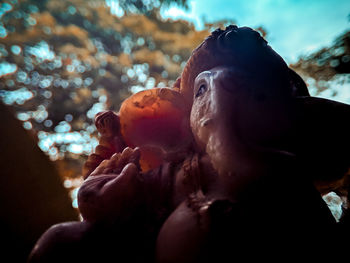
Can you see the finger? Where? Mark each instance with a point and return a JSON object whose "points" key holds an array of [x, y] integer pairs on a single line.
{"points": [[124, 158], [112, 163], [99, 115], [107, 123], [128, 156], [135, 157], [100, 168], [126, 183], [115, 157], [128, 173], [91, 164]]}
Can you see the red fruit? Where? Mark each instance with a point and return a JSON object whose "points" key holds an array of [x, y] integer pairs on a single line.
{"points": [[157, 121]]}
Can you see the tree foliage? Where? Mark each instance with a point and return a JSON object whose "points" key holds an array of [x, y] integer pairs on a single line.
{"points": [[327, 71], [64, 61], [61, 62]]}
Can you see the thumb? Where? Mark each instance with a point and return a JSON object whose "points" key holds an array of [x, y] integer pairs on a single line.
{"points": [[126, 182]]}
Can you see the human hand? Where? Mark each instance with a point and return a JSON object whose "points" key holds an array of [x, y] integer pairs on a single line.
{"points": [[113, 190]]}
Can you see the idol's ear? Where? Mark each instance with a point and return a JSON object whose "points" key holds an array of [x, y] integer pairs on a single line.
{"points": [[323, 132], [298, 85]]}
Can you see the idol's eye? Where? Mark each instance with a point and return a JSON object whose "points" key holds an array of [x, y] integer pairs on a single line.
{"points": [[201, 90]]}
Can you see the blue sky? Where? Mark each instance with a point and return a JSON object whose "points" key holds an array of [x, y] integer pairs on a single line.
{"points": [[294, 27]]}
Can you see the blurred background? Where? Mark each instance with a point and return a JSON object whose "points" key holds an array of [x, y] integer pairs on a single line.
{"points": [[61, 62]]}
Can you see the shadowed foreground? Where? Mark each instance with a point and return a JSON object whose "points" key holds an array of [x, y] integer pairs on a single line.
{"points": [[32, 197]]}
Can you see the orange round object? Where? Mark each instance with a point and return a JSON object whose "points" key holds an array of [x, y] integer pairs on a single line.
{"points": [[156, 120]]}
